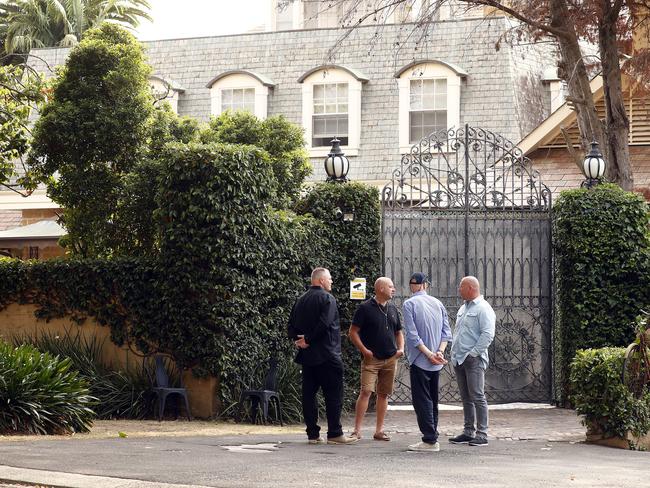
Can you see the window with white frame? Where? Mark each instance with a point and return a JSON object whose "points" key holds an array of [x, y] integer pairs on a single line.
{"points": [[240, 90], [331, 107], [236, 99], [429, 99], [330, 118], [428, 110]]}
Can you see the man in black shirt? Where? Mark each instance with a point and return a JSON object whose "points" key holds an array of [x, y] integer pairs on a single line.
{"points": [[315, 330], [376, 331]]}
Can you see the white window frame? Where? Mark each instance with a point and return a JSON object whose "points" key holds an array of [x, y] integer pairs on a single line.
{"points": [[427, 71], [326, 76], [240, 81]]}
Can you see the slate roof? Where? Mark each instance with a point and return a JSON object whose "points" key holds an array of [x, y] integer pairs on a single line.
{"points": [[10, 219], [502, 90]]}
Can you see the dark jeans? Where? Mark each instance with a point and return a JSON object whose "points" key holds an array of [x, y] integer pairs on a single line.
{"points": [[328, 377], [424, 392], [471, 383]]}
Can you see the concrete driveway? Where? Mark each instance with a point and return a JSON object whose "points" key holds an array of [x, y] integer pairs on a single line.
{"points": [[529, 448]]}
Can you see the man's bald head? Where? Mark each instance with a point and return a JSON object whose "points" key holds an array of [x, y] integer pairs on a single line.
{"points": [[384, 289], [469, 288]]}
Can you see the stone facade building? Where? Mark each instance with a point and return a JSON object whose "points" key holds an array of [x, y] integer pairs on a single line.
{"points": [[377, 88]]}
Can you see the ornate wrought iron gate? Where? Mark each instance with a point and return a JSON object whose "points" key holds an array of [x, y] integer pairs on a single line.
{"points": [[467, 202]]}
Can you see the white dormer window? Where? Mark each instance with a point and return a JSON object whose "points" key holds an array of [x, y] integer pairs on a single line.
{"points": [[240, 90], [164, 90], [429, 100], [331, 107]]}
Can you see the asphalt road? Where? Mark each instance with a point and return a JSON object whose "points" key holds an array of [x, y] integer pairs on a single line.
{"points": [[287, 461]]}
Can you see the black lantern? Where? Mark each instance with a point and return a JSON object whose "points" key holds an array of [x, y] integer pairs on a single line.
{"points": [[593, 166], [336, 164]]}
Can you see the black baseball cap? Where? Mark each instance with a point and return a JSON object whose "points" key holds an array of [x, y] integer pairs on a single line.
{"points": [[418, 279]]}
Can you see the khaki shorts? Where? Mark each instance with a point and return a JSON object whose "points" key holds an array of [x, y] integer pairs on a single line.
{"points": [[378, 375]]}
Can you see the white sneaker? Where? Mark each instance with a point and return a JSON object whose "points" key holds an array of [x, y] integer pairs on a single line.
{"points": [[318, 440], [425, 447]]}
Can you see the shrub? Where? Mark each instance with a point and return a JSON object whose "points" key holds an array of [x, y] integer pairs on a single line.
{"points": [[599, 395], [120, 394], [602, 270], [41, 393]]}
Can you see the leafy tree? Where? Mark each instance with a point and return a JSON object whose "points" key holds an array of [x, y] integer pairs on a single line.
{"points": [[282, 141], [93, 132], [20, 91], [610, 24], [136, 202], [27, 24]]}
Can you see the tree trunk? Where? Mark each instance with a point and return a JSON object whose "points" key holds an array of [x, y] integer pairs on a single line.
{"points": [[619, 169], [577, 78]]}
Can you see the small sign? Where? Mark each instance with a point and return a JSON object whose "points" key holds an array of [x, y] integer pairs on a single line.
{"points": [[358, 289]]}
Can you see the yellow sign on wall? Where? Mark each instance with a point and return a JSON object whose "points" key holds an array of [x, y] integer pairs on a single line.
{"points": [[358, 289]]}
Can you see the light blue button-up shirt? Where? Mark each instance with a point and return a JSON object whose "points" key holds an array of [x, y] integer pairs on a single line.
{"points": [[425, 322], [474, 331]]}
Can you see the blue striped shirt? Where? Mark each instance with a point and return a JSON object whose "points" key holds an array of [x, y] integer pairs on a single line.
{"points": [[425, 322]]}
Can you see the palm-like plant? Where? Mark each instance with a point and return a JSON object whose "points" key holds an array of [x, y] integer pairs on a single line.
{"points": [[28, 24]]}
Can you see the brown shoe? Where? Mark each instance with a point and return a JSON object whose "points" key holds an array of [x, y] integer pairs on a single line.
{"points": [[342, 440], [356, 435]]}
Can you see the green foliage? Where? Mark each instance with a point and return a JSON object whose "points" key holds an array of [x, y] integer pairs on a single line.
{"points": [[281, 140], [41, 394], [120, 394], [20, 91], [92, 132], [133, 218], [607, 405], [236, 263], [602, 270], [218, 293], [353, 250], [28, 24]]}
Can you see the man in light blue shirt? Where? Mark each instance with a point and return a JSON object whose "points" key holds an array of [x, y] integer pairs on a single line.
{"points": [[427, 332], [473, 335]]}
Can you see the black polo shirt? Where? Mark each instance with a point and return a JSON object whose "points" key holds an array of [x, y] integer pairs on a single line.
{"points": [[378, 326]]}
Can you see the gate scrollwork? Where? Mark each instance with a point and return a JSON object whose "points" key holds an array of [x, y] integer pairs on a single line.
{"points": [[468, 202]]}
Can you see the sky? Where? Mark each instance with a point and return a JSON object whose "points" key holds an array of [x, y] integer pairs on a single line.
{"points": [[197, 18]]}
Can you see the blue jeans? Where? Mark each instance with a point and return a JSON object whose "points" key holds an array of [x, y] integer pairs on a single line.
{"points": [[424, 393], [471, 383]]}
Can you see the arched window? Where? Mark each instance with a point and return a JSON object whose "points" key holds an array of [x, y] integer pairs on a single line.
{"points": [[240, 90], [429, 99], [331, 107]]}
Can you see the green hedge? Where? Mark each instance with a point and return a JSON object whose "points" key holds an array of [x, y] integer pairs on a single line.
{"points": [[217, 297], [602, 271], [599, 395], [353, 250]]}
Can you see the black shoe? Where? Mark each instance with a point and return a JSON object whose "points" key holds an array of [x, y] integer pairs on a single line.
{"points": [[461, 439], [478, 441]]}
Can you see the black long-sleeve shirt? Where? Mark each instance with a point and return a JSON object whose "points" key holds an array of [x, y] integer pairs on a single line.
{"points": [[316, 316]]}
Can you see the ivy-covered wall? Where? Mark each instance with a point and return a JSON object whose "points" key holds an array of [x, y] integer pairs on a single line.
{"points": [[218, 295], [602, 271]]}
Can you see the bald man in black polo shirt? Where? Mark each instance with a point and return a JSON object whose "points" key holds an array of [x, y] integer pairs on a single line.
{"points": [[376, 331]]}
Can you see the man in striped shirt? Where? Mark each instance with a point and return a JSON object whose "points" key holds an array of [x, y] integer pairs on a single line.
{"points": [[427, 332]]}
